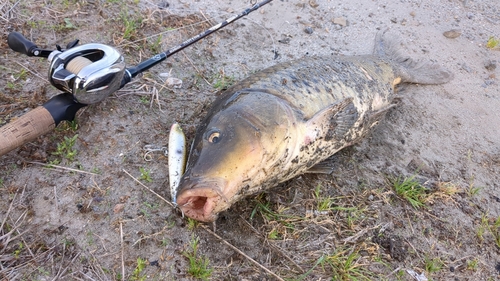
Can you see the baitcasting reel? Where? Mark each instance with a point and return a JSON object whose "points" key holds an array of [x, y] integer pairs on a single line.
{"points": [[91, 72]]}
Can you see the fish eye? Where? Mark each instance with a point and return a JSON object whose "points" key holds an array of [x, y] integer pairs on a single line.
{"points": [[213, 136]]}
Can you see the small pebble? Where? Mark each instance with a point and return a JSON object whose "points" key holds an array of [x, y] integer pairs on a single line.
{"points": [[175, 83], [285, 40], [340, 21], [308, 30], [490, 65], [454, 33], [118, 208], [313, 3], [163, 5]]}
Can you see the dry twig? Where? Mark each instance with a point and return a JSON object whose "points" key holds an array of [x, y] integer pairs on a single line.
{"points": [[51, 166], [241, 253], [150, 190]]}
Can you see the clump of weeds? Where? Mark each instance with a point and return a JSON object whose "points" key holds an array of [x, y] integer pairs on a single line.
{"points": [[433, 265], [410, 190], [198, 265], [492, 43], [136, 275], [145, 175], [472, 264], [323, 204], [345, 265], [65, 149], [221, 81], [192, 223], [489, 226]]}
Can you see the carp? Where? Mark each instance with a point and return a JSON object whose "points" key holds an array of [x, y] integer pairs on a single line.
{"points": [[284, 120]]}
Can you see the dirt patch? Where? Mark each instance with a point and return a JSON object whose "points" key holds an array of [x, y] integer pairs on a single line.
{"points": [[88, 218]]}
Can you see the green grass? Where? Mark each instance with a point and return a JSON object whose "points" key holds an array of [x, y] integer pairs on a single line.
{"points": [[90, 238], [17, 252], [65, 148], [472, 190], [483, 227], [11, 85], [144, 99], [130, 25], [326, 204], [410, 190], [145, 175], [344, 263], [433, 265], [491, 226], [136, 275], [155, 46], [492, 42], [274, 234], [192, 224], [198, 265], [269, 214], [68, 24], [495, 231], [222, 82], [279, 224], [472, 264], [148, 207], [70, 126], [318, 262], [21, 75], [322, 203]]}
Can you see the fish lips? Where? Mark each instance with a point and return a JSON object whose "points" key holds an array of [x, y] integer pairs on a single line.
{"points": [[201, 198]]}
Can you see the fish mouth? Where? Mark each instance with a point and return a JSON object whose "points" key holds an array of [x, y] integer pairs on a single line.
{"points": [[201, 202]]}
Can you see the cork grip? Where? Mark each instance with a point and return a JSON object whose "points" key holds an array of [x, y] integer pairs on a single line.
{"points": [[25, 129]]}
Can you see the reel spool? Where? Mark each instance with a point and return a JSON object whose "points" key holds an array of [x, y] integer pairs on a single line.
{"points": [[90, 72]]}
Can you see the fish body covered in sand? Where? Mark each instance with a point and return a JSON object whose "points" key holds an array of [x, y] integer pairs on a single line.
{"points": [[284, 120]]}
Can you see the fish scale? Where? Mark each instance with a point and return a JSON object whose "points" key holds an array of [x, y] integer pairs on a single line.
{"points": [[334, 79]]}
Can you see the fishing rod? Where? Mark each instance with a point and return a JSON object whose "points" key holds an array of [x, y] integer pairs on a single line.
{"points": [[86, 74]]}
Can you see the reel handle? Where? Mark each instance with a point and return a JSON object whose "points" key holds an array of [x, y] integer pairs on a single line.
{"points": [[20, 44], [37, 122]]}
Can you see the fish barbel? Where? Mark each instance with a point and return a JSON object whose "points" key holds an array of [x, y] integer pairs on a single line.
{"points": [[282, 121]]}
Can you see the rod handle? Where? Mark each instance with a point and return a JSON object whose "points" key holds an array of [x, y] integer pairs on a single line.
{"points": [[26, 128]]}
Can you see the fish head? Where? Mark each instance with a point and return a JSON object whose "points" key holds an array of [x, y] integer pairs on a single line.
{"points": [[234, 152], [225, 153]]}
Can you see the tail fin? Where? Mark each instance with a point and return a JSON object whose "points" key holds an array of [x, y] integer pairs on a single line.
{"points": [[410, 71]]}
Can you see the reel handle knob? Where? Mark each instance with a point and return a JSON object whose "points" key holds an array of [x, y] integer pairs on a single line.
{"points": [[20, 44]]}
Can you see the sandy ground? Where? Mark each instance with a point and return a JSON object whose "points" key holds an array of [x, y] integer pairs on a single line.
{"points": [[96, 223]]}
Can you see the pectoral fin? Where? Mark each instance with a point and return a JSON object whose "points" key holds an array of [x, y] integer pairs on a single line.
{"points": [[333, 122]]}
